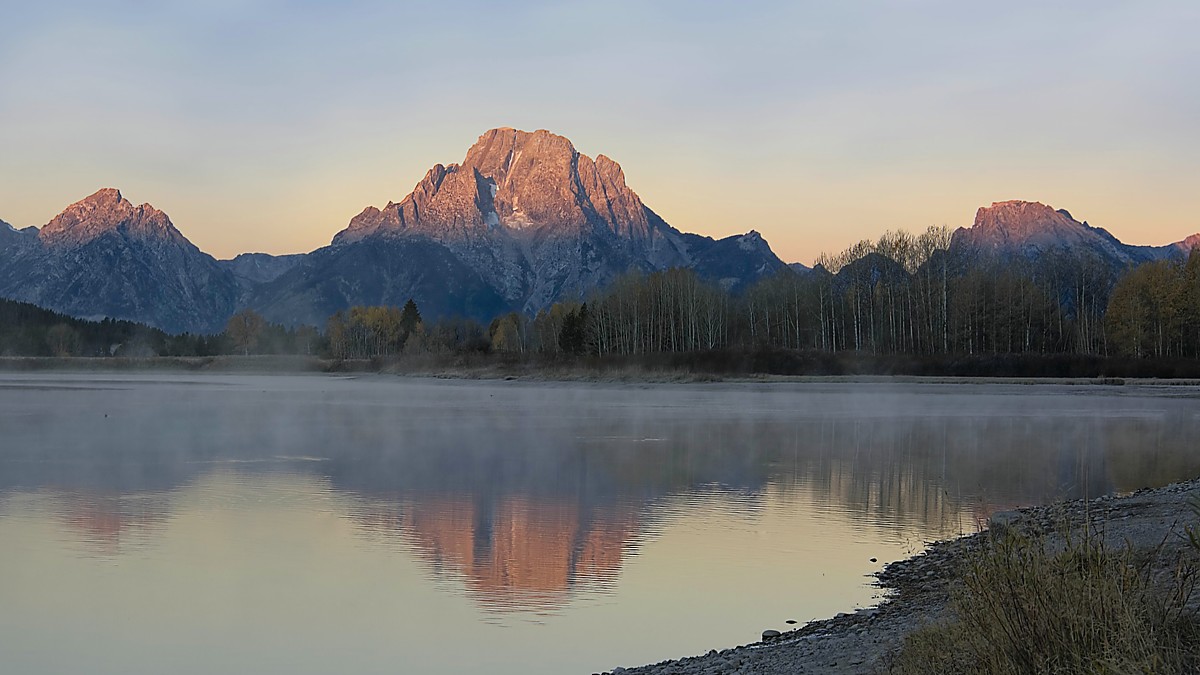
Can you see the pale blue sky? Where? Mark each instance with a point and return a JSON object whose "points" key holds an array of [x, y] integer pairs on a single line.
{"points": [[267, 125]]}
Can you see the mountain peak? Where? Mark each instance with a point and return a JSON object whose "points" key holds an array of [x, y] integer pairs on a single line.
{"points": [[1189, 244], [1033, 228], [537, 220], [1017, 216], [104, 196], [103, 212], [1018, 224], [751, 241], [513, 181]]}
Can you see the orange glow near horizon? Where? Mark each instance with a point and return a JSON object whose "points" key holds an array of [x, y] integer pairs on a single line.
{"points": [[816, 124], [800, 215]]}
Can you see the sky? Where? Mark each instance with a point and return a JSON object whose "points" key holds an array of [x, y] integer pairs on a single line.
{"points": [[265, 125]]}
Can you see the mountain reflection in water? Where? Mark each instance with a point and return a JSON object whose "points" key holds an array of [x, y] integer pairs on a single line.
{"points": [[528, 499]]}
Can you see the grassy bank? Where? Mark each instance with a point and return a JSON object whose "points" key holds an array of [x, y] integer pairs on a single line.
{"points": [[1064, 603]]}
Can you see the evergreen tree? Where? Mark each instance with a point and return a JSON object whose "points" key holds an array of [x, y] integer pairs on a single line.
{"points": [[409, 317]]}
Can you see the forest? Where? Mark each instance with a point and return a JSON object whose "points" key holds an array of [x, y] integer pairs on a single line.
{"points": [[900, 295], [902, 298]]}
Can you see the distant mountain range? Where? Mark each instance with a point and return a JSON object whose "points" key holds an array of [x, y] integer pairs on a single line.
{"points": [[525, 220]]}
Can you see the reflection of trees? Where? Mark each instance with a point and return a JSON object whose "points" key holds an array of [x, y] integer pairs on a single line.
{"points": [[925, 472], [1152, 452], [530, 504], [518, 514]]}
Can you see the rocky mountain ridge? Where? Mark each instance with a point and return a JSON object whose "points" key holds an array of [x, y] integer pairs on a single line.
{"points": [[1030, 229], [523, 221], [533, 215], [1187, 244], [103, 257], [107, 213]]}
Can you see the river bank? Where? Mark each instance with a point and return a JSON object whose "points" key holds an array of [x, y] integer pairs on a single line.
{"points": [[920, 587], [509, 370], [664, 367]]}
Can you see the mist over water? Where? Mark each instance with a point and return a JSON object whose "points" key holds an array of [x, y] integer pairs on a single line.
{"points": [[182, 523]]}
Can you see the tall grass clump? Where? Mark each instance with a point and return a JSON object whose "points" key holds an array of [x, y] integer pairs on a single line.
{"points": [[1026, 605]]}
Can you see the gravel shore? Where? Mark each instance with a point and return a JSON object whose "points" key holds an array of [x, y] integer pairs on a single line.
{"points": [[919, 588]]}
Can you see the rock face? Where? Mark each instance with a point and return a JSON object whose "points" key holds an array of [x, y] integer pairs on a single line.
{"points": [[1188, 245], [107, 214], [103, 257], [516, 181], [532, 219], [1031, 229]]}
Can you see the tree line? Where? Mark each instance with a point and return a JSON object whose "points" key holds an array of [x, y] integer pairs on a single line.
{"points": [[902, 294], [29, 330]]}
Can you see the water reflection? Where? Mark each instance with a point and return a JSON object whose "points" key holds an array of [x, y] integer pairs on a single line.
{"points": [[106, 522], [517, 554], [562, 503]]}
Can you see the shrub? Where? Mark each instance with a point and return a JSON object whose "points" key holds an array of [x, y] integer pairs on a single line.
{"points": [[1025, 606]]}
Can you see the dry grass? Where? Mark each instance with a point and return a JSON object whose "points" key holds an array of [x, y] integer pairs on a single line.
{"points": [[1027, 606]]}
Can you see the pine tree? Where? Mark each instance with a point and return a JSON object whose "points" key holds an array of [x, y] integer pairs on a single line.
{"points": [[409, 317]]}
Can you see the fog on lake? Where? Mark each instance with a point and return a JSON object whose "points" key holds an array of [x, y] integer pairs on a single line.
{"points": [[309, 523]]}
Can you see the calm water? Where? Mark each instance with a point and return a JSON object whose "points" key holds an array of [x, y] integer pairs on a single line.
{"points": [[316, 524]]}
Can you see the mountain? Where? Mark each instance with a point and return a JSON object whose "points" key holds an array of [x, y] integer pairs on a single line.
{"points": [[384, 272], [1031, 228], [1187, 245], [103, 257], [252, 269], [525, 220], [732, 262], [11, 236]]}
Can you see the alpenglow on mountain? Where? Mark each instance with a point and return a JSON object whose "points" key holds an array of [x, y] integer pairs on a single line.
{"points": [[103, 257], [1030, 229], [525, 220]]}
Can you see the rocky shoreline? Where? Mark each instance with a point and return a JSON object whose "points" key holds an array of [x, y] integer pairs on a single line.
{"points": [[863, 641]]}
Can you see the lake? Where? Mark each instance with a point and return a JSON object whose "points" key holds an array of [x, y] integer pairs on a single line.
{"points": [[297, 524]]}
